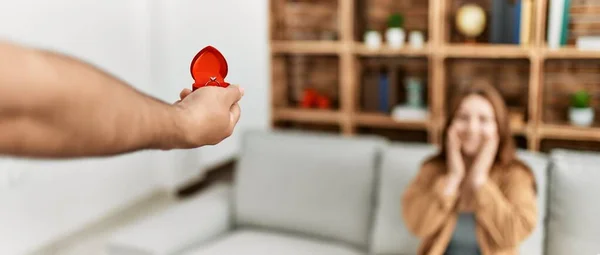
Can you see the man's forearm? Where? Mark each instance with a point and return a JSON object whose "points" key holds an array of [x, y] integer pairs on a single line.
{"points": [[49, 103]]}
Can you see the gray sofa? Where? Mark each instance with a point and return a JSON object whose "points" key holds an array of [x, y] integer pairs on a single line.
{"points": [[316, 194]]}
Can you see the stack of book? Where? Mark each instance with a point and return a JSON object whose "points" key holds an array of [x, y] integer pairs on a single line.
{"points": [[512, 22]]}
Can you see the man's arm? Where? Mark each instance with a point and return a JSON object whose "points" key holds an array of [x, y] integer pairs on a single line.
{"points": [[52, 105]]}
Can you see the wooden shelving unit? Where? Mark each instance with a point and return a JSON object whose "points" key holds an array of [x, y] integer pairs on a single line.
{"points": [[438, 50], [306, 47], [301, 115], [569, 53], [361, 50], [485, 51], [385, 121]]}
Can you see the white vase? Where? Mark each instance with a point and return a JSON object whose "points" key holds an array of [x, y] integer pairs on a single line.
{"points": [[583, 117], [372, 39], [395, 37], [416, 39]]}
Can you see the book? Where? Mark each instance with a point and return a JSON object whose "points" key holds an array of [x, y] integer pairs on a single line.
{"points": [[564, 36], [370, 91], [516, 22], [499, 11], [526, 22], [505, 22], [383, 93], [588, 43], [555, 20]]}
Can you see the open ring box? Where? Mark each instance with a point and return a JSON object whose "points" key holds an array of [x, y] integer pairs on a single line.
{"points": [[209, 68]]}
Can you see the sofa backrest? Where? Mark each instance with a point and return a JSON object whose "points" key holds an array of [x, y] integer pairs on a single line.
{"points": [[313, 184], [400, 164], [539, 164], [574, 199]]}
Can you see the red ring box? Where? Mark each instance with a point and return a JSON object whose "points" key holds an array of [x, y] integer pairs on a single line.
{"points": [[209, 68]]}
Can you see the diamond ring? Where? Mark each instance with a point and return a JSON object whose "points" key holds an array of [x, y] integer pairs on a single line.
{"points": [[212, 79]]}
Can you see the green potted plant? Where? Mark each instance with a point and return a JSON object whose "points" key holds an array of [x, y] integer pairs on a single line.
{"points": [[395, 34], [580, 112]]}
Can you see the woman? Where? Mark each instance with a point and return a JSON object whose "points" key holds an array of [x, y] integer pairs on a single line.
{"points": [[475, 196]]}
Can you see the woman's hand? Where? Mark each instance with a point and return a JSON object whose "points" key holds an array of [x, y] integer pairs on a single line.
{"points": [[485, 159], [456, 165], [453, 154]]}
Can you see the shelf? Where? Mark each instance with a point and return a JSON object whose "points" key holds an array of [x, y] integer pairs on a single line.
{"points": [[307, 115], [485, 51], [518, 128], [570, 52], [362, 50], [568, 132], [517, 125], [385, 121], [306, 47]]}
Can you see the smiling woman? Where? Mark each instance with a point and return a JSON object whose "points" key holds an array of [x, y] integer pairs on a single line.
{"points": [[475, 196]]}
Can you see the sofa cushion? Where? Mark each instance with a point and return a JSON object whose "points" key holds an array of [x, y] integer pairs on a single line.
{"points": [[573, 216], [400, 164], [249, 242], [308, 183], [539, 164], [170, 231]]}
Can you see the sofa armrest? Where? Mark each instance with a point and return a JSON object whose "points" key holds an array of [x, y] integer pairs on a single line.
{"points": [[177, 228]]}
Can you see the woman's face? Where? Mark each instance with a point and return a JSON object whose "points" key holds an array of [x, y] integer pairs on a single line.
{"points": [[474, 120]]}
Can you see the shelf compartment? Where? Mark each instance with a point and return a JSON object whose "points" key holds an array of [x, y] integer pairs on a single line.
{"points": [[383, 83], [498, 28], [374, 14], [306, 81], [583, 21], [302, 20], [304, 115], [509, 76], [561, 78]]}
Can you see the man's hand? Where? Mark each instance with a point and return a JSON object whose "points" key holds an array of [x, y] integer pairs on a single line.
{"points": [[208, 115], [53, 105]]}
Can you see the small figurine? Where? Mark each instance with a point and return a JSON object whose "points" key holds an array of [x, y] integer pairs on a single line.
{"points": [[209, 68]]}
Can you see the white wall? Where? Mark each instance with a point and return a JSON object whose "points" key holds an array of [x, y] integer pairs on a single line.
{"points": [[149, 44], [53, 198], [238, 28]]}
